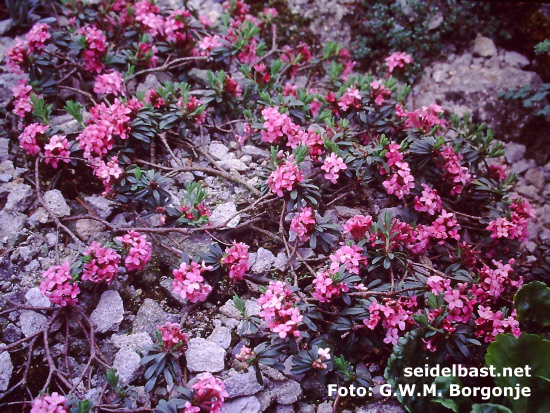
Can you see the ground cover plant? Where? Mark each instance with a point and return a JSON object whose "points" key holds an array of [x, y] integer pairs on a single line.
{"points": [[397, 227]]}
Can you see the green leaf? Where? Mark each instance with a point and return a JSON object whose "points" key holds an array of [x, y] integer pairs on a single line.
{"points": [[530, 350], [532, 303], [489, 408]]}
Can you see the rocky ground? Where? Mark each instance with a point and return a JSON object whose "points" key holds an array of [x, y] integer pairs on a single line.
{"points": [[126, 316]]}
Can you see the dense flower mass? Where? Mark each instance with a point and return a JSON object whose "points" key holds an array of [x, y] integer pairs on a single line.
{"points": [[279, 311], [56, 150], [210, 393], [16, 56], [397, 59], [101, 263], [332, 166], [110, 83], [328, 286], [349, 255], [172, 337], [38, 36], [236, 259], [303, 223], [285, 177], [393, 315], [514, 227], [30, 137], [59, 286], [96, 46], [139, 250], [358, 226], [429, 201], [189, 282], [54, 403]]}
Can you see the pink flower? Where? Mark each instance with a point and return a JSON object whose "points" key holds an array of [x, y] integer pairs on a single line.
{"points": [[332, 166], [394, 314], [108, 172], [139, 250], [210, 393], [96, 46], [303, 223], [110, 83], [28, 138], [172, 336], [453, 297], [245, 354], [189, 283], [54, 403], [349, 255], [208, 43], [429, 202], [16, 56], [401, 181], [351, 98], [458, 174], [285, 177], [236, 259], [515, 227], [278, 310], [58, 148], [102, 264], [397, 59], [445, 226], [424, 118], [328, 285], [379, 92], [37, 37], [358, 226], [22, 95], [59, 286]]}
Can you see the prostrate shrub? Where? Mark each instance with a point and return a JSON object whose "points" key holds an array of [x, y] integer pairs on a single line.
{"points": [[427, 253]]}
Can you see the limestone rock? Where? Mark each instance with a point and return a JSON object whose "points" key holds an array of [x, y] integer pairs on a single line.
{"points": [[221, 336], [203, 355], [35, 298], [149, 316], [127, 364], [6, 368], [109, 312], [287, 392], [222, 213], [245, 384], [32, 322], [56, 202], [248, 404], [484, 47]]}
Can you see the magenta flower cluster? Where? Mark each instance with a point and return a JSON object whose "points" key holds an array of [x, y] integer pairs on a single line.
{"points": [[279, 310], [236, 260], [139, 250], [303, 223], [59, 286], [172, 336], [102, 263], [189, 282], [54, 403]]}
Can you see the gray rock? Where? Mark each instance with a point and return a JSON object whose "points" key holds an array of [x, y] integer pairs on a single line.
{"points": [[6, 368], [264, 261], [221, 336], [103, 207], [527, 190], [287, 392], [166, 285], [51, 239], [135, 342], [222, 213], [523, 165], [484, 47], [149, 316], [32, 322], [255, 152], [381, 407], [281, 262], [543, 214], [85, 228], [20, 198], [56, 202], [7, 82], [35, 298], [514, 152], [515, 59], [11, 224], [325, 407], [245, 384], [5, 25], [229, 310], [127, 364], [284, 408], [346, 212], [536, 177], [219, 151], [4, 147], [203, 355], [306, 408], [11, 333], [151, 82], [248, 404], [66, 124], [109, 312]]}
